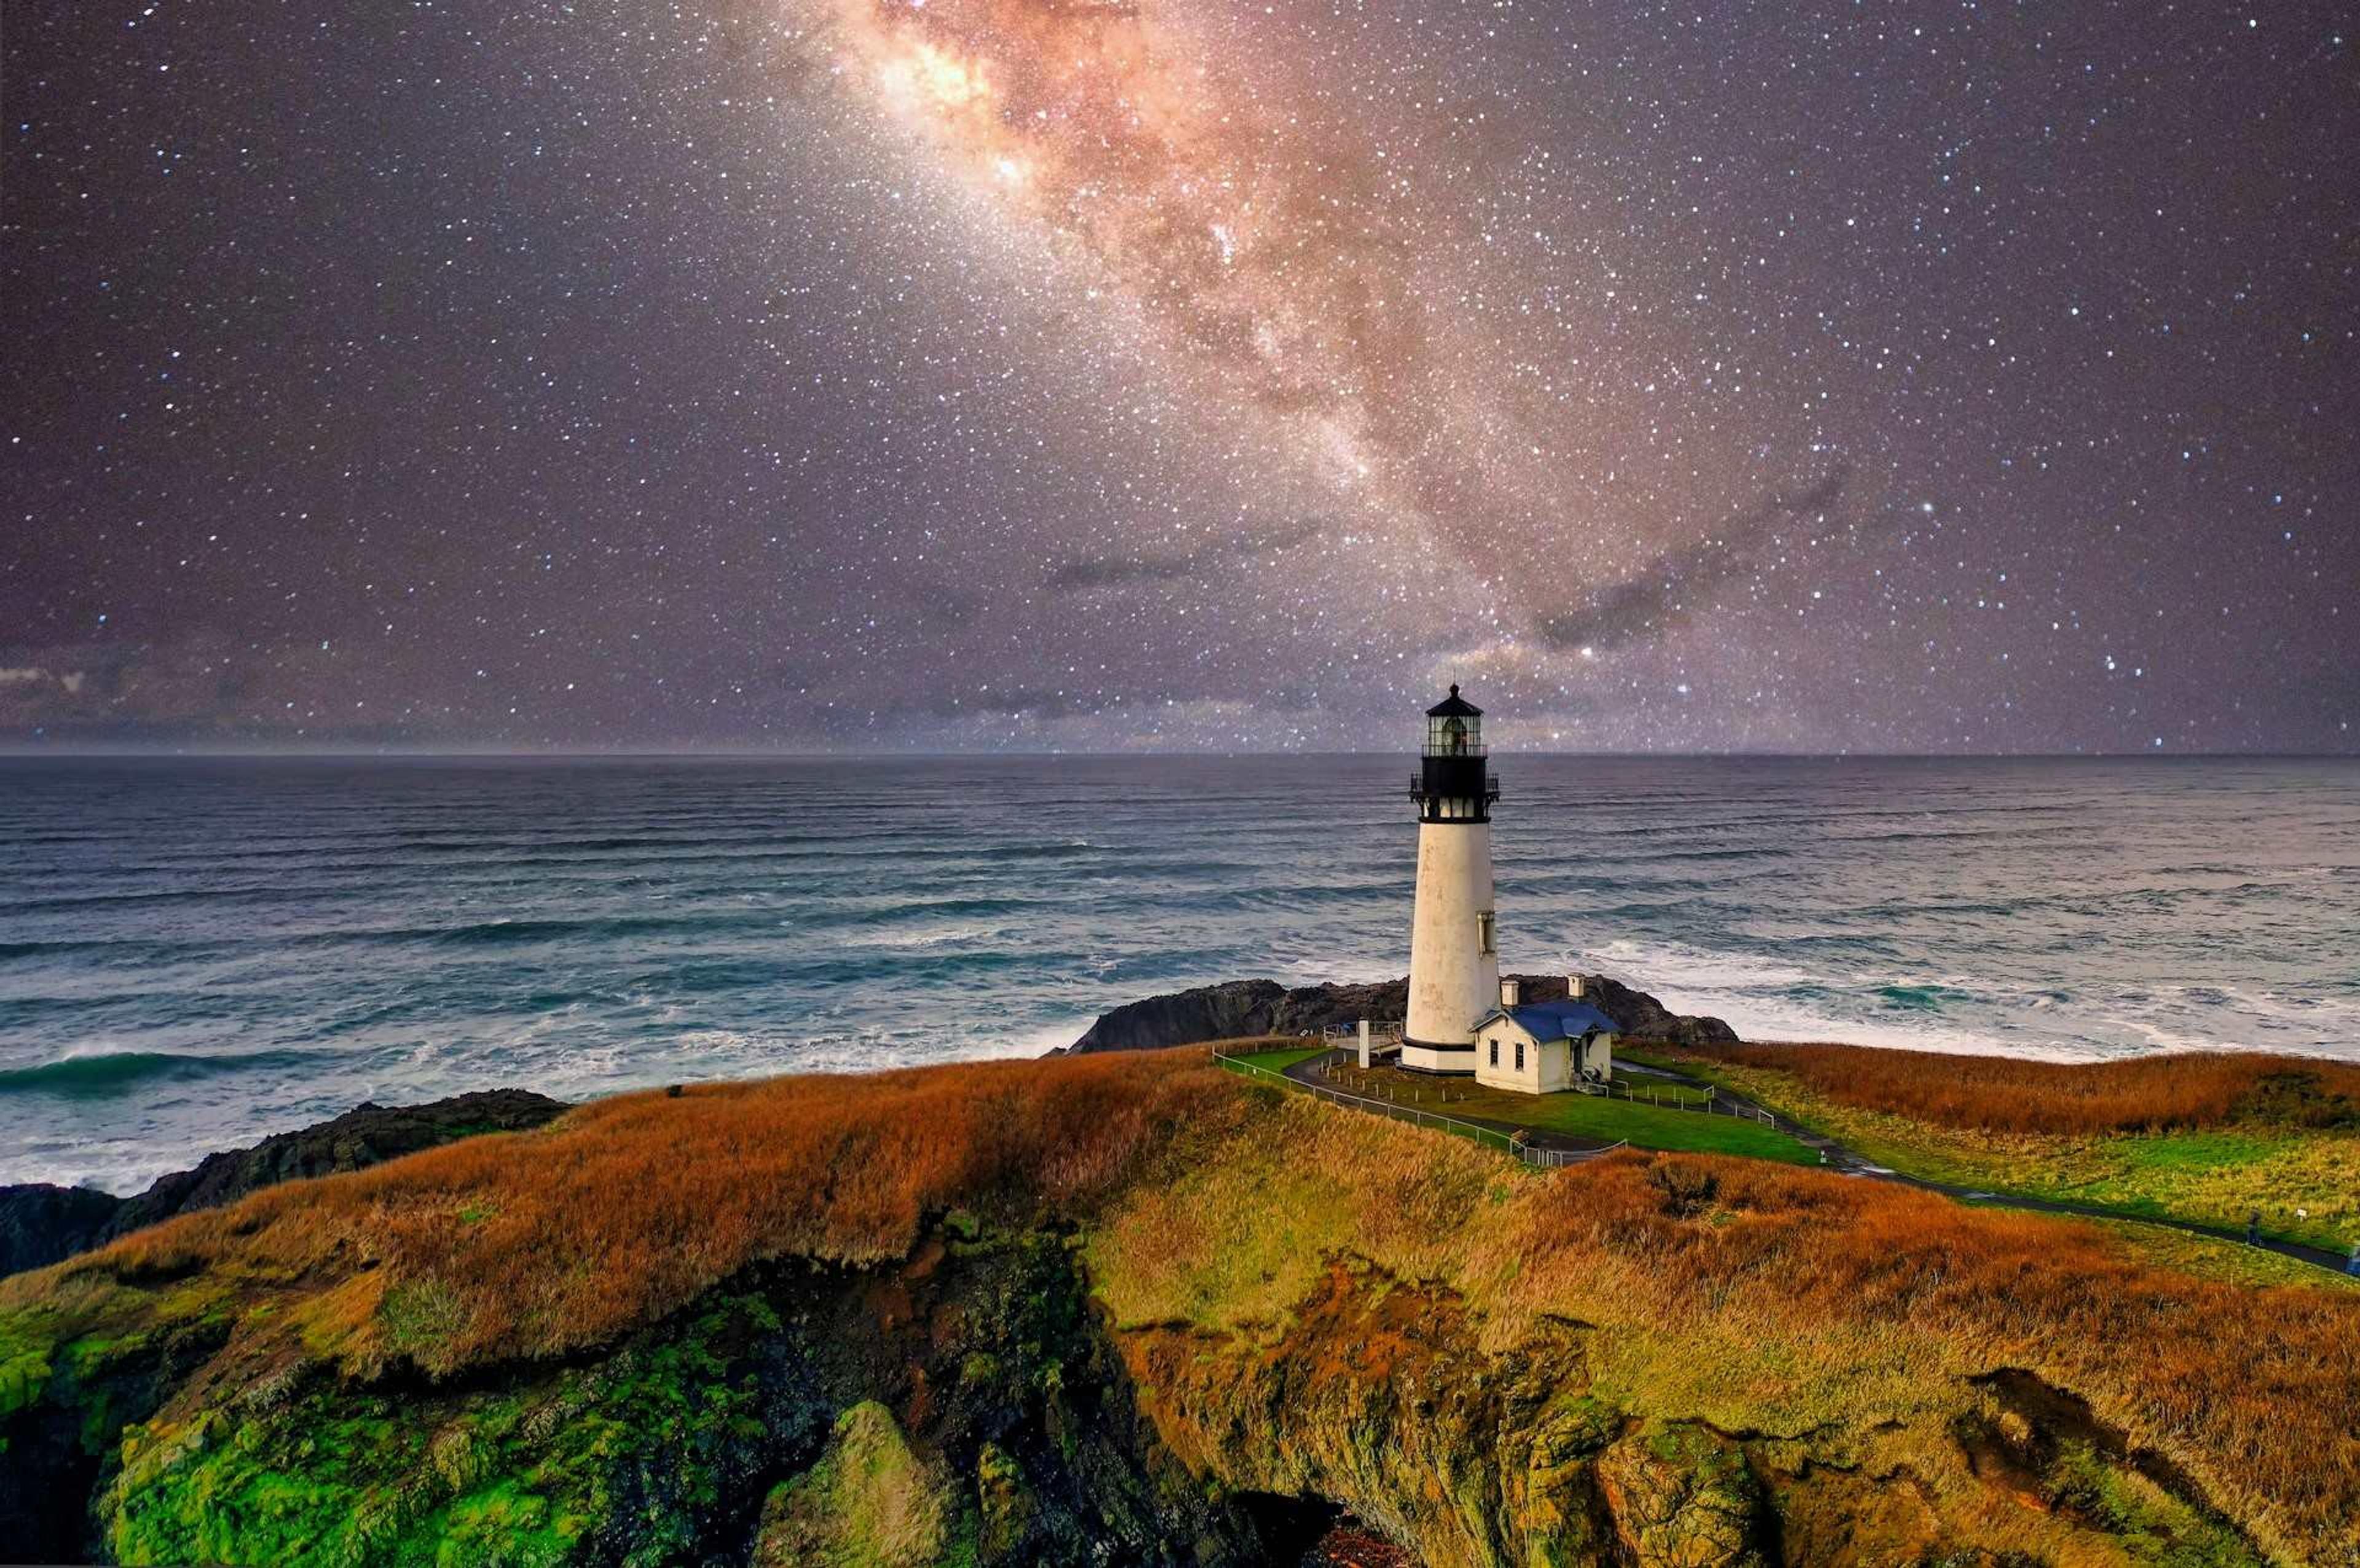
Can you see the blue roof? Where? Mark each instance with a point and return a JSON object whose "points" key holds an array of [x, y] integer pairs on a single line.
{"points": [[1555, 1020]]}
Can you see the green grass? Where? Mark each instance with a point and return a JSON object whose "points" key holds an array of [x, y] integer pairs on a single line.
{"points": [[1276, 1061], [2305, 1184], [1592, 1116], [2210, 1258], [1648, 1127], [1656, 1089], [334, 1475], [2198, 1150], [870, 1502]]}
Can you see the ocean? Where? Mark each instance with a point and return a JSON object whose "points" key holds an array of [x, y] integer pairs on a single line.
{"points": [[196, 953]]}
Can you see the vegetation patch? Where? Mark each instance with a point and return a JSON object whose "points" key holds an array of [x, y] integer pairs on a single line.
{"points": [[869, 1502], [25, 1352], [2303, 1181], [1301, 1304], [1277, 1058], [1833, 1327], [1593, 1117], [2161, 1092], [606, 1224], [526, 1474]]}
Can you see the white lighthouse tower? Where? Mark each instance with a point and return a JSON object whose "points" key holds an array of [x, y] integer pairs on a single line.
{"points": [[1454, 958]]}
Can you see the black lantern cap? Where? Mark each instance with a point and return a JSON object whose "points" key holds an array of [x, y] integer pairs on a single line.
{"points": [[1454, 707]]}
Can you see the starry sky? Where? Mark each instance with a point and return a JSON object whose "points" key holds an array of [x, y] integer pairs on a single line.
{"points": [[950, 374]]}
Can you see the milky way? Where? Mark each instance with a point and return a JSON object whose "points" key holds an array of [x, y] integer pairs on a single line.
{"points": [[829, 374], [1301, 270]]}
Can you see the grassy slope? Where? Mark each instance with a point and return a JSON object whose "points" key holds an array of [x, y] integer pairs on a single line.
{"points": [[2231, 1262], [2253, 1159], [1277, 1058], [1218, 1219], [1789, 1303]]}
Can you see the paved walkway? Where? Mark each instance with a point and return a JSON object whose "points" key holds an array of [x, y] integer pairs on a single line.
{"points": [[1847, 1162]]}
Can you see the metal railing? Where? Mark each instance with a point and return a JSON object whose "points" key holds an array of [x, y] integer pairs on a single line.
{"points": [[1490, 1137], [1418, 791]]}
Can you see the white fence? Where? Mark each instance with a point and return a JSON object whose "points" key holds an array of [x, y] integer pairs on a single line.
{"points": [[1714, 1103], [1490, 1138]]}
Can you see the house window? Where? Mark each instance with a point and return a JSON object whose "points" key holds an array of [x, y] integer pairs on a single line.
{"points": [[1495, 1050], [1483, 927], [1520, 1056]]}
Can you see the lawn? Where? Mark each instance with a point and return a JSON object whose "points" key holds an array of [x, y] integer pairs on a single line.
{"points": [[1582, 1115], [1649, 1127], [1651, 1089], [2230, 1261], [1277, 1058]]}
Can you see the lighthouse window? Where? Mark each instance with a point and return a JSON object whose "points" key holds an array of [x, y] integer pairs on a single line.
{"points": [[1483, 924], [1520, 1056], [1495, 1050]]}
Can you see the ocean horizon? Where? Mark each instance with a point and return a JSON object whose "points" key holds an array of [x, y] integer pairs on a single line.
{"points": [[199, 950]]}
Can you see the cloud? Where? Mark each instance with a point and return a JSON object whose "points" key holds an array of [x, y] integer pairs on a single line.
{"points": [[1083, 573], [68, 682], [1674, 588], [197, 686]]}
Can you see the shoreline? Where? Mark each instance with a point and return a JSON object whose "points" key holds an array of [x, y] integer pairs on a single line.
{"points": [[71, 1069]]}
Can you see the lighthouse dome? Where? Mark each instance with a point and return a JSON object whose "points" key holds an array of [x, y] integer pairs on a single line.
{"points": [[1454, 707]]}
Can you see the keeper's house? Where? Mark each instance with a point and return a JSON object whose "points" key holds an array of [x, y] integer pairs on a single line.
{"points": [[1540, 1048]]}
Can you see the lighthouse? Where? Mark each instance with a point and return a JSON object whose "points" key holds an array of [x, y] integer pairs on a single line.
{"points": [[1454, 957]]}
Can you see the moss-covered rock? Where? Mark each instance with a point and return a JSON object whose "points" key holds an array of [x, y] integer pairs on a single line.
{"points": [[1303, 1313], [869, 1502], [1682, 1498], [639, 1458], [962, 1406]]}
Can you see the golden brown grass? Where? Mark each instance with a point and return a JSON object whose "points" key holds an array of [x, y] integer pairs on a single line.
{"points": [[535, 1244], [1786, 1300], [2303, 1181], [1782, 1299], [2000, 1094]]}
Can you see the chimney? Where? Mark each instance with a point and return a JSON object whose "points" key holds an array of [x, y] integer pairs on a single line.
{"points": [[1573, 986], [1509, 990]]}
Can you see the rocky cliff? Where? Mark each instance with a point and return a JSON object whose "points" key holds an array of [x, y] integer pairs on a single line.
{"points": [[1237, 1009], [40, 1223], [1133, 1309]]}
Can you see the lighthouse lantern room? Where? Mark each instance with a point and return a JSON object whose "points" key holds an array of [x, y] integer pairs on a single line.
{"points": [[1454, 960]]}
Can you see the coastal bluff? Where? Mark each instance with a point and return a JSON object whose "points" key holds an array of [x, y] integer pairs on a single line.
{"points": [[1238, 1008], [1129, 1306], [41, 1223]]}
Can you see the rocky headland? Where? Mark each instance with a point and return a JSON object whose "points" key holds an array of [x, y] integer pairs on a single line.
{"points": [[1121, 1305], [1236, 1010], [41, 1223]]}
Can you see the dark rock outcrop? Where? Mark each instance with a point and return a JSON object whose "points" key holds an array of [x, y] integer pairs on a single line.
{"points": [[40, 1223], [1238, 1008]]}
